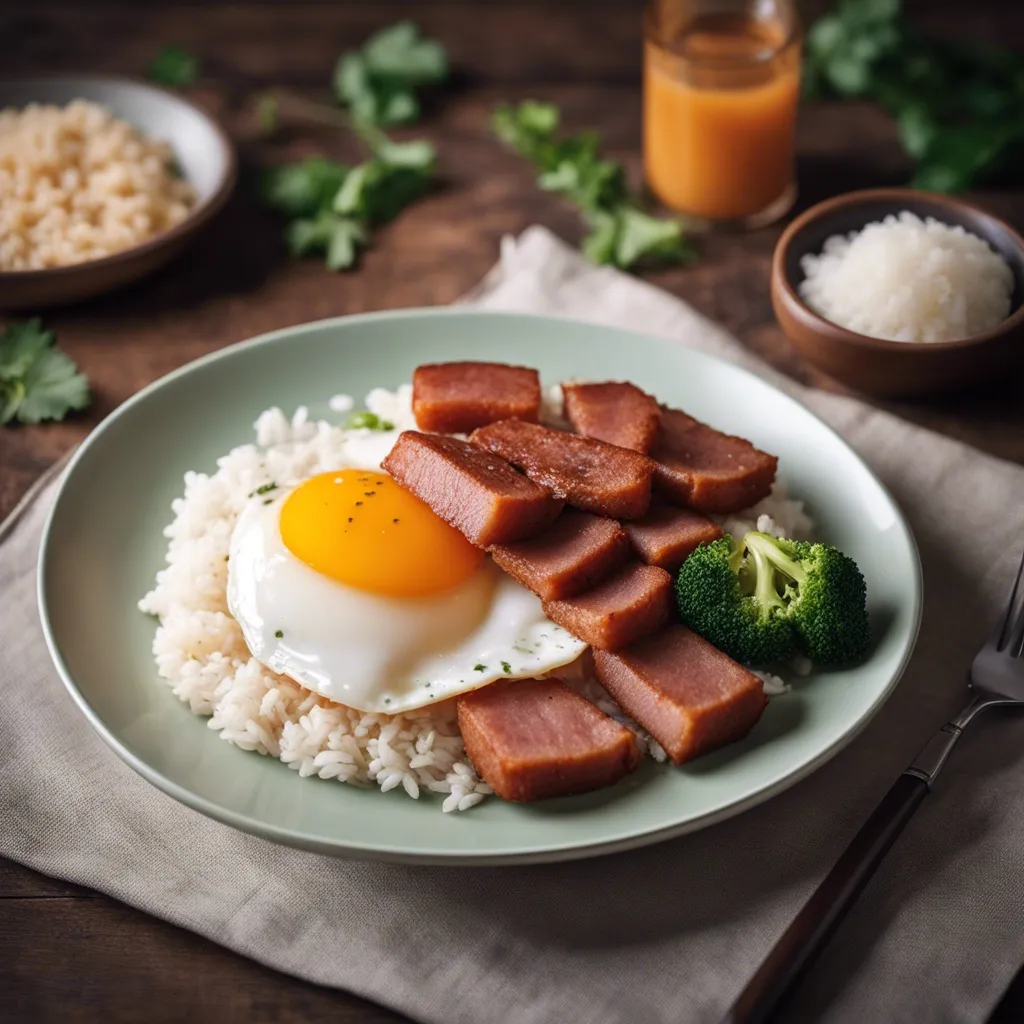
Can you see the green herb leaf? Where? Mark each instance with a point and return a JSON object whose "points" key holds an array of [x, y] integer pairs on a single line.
{"points": [[645, 238], [368, 421], [20, 345], [379, 82], [400, 52], [621, 233], [957, 104], [347, 236], [303, 189], [332, 206], [376, 192], [37, 381], [174, 67]]}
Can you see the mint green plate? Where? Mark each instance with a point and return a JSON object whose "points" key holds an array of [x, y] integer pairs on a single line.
{"points": [[103, 545]]}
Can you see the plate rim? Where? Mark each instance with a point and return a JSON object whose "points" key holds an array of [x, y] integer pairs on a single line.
{"points": [[354, 849]]}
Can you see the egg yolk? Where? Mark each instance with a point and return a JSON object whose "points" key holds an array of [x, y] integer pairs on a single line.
{"points": [[361, 529]]}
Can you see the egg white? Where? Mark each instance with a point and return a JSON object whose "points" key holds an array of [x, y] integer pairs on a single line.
{"points": [[378, 653]]}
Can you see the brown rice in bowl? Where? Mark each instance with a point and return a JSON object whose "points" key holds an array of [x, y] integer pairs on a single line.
{"points": [[78, 184]]}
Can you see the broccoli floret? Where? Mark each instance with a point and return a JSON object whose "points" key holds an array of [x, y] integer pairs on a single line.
{"points": [[825, 596], [763, 599], [720, 596]]}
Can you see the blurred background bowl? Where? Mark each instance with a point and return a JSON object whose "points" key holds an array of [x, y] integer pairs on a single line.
{"points": [[874, 365], [204, 155]]}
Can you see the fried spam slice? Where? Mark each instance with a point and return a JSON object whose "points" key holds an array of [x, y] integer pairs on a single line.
{"points": [[634, 603], [591, 475], [575, 553], [455, 398], [614, 411], [709, 471], [706, 470], [475, 491], [536, 738], [690, 696], [665, 535]]}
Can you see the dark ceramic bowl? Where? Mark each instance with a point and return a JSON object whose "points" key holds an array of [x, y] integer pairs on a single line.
{"points": [[894, 368], [204, 156]]}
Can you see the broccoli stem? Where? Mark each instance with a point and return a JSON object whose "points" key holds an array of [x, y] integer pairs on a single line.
{"points": [[769, 558]]}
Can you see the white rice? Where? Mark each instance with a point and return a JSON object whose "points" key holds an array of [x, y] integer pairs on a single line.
{"points": [[907, 279], [200, 651]]}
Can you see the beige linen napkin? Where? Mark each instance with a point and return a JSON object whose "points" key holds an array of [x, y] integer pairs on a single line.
{"points": [[665, 934]]}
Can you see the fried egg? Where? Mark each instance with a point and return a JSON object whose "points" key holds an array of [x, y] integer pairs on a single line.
{"points": [[355, 589]]}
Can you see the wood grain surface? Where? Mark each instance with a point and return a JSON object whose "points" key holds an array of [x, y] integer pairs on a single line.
{"points": [[74, 955]]}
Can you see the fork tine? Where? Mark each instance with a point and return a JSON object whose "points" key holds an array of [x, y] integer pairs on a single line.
{"points": [[1011, 632]]}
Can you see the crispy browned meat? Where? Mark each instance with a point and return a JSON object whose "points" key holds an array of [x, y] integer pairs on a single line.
{"points": [[534, 738], [706, 470], [615, 411], [455, 398], [474, 490], [667, 534], [690, 696], [576, 552], [592, 475], [634, 603]]}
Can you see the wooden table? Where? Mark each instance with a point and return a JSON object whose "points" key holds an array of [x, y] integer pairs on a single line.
{"points": [[71, 953]]}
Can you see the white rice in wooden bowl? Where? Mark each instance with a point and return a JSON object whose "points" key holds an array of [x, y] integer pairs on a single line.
{"points": [[908, 279], [200, 652], [77, 184]]}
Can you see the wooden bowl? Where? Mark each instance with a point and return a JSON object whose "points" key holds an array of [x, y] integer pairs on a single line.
{"points": [[204, 156], [874, 365]]}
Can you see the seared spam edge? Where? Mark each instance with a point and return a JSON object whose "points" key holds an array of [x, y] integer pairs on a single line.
{"points": [[614, 411], [591, 475], [536, 738], [475, 491], [704, 469], [455, 398], [686, 693]]}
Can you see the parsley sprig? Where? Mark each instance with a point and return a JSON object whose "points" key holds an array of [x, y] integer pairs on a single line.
{"points": [[380, 82], [957, 105], [333, 206], [37, 381], [621, 233]]}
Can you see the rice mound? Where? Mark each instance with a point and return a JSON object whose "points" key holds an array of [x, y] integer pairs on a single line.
{"points": [[200, 651], [77, 184], [907, 279]]}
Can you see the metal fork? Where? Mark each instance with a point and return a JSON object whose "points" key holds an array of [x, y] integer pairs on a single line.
{"points": [[997, 678]]}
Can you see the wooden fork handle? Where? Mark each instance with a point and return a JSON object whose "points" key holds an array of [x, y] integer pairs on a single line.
{"points": [[816, 922]]}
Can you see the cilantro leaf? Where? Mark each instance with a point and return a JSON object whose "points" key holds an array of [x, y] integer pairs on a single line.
{"points": [[303, 189], [379, 82], [347, 237], [621, 233], [400, 52], [331, 206], [20, 345], [174, 67], [377, 192], [645, 238], [37, 381], [956, 104]]}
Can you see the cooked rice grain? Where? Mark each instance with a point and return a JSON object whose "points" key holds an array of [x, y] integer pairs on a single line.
{"points": [[77, 184]]}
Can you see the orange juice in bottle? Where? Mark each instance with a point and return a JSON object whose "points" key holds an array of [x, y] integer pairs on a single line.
{"points": [[721, 85]]}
